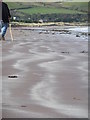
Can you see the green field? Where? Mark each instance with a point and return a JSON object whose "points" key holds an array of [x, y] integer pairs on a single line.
{"points": [[48, 10], [80, 6]]}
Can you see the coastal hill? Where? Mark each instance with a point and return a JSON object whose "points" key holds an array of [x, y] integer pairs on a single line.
{"points": [[49, 12]]}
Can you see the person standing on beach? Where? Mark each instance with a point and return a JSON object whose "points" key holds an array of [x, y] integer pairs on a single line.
{"points": [[5, 19]]}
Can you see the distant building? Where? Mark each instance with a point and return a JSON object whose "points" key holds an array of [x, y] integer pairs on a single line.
{"points": [[14, 18], [40, 21]]}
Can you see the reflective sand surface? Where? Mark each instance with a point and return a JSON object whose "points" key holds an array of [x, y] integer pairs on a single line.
{"points": [[52, 74]]}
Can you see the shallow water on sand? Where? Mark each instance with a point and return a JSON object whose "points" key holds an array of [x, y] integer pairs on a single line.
{"points": [[80, 29]]}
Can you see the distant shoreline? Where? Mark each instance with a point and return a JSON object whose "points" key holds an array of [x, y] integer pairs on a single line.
{"points": [[21, 24]]}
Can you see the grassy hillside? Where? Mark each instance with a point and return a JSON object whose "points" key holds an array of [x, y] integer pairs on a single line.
{"points": [[49, 11], [78, 7]]}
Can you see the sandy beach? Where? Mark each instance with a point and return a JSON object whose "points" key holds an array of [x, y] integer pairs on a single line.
{"points": [[50, 70], [0, 81]]}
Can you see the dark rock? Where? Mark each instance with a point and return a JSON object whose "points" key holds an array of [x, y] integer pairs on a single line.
{"points": [[65, 52], [83, 52], [76, 98], [23, 106], [12, 76], [40, 32], [53, 33], [47, 32], [77, 35], [84, 34]]}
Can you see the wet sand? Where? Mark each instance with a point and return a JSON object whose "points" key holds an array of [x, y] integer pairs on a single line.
{"points": [[0, 81], [51, 69]]}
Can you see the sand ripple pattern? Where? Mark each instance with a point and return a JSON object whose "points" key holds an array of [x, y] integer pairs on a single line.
{"points": [[52, 76]]}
